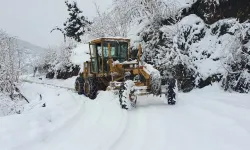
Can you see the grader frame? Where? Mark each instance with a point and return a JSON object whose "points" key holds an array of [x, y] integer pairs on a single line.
{"points": [[114, 71]]}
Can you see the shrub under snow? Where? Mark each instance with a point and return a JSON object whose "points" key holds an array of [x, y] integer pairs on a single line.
{"points": [[10, 70], [57, 62], [198, 54]]}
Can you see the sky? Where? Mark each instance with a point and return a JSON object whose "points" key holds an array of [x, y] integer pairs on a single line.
{"points": [[32, 20]]}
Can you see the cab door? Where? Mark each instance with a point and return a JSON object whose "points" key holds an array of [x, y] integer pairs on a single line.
{"points": [[94, 58]]}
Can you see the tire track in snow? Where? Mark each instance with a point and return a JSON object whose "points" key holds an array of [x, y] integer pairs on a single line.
{"points": [[75, 134], [112, 111], [70, 123], [125, 125], [119, 132], [63, 87], [135, 132], [87, 130], [214, 107], [67, 124]]}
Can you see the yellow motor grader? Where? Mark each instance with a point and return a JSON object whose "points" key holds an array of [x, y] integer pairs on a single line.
{"points": [[113, 67]]}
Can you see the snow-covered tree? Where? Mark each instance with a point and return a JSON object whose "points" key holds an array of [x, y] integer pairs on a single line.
{"points": [[57, 61], [237, 61], [117, 21], [147, 9], [10, 63], [75, 26], [11, 66]]}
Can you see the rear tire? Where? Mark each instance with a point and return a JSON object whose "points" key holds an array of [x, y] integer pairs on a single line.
{"points": [[155, 79], [127, 96]]}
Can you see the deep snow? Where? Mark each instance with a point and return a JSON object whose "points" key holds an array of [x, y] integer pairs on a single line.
{"points": [[202, 119]]}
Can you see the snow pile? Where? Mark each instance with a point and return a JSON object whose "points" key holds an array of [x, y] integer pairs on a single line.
{"points": [[10, 106], [150, 69]]}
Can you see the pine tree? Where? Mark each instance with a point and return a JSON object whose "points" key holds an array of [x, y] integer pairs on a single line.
{"points": [[76, 24]]}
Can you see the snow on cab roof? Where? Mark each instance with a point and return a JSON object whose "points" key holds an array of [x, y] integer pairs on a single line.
{"points": [[98, 40]]}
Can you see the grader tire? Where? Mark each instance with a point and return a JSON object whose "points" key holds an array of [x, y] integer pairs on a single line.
{"points": [[155, 79], [127, 98], [79, 83], [172, 89], [91, 86]]}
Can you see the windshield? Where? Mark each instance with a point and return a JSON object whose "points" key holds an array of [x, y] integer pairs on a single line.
{"points": [[119, 50]]}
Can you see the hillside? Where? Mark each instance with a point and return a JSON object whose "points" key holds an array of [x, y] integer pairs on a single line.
{"points": [[34, 49], [32, 55]]}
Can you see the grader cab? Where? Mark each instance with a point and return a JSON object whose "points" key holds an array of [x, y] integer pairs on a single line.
{"points": [[113, 67]]}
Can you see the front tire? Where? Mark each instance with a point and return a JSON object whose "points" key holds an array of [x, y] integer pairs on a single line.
{"points": [[90, 88], [127, 97]]}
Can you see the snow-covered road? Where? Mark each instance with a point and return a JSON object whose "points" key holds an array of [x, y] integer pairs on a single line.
{"points": [[206, 119]]}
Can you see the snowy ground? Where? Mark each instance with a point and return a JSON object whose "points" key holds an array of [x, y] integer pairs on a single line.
{"points": [[68, 83], [206, 119]]}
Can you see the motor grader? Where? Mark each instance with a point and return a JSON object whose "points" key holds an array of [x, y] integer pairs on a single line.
{"points": [[112, 66]]}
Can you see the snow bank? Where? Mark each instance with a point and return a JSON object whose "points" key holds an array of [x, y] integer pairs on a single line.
{"points": [[10, 106], [36, 123]]}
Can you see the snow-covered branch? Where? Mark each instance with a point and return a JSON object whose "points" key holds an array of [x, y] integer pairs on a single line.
{"points": [[117, 21]]}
